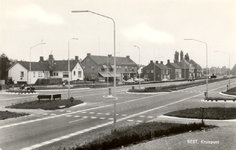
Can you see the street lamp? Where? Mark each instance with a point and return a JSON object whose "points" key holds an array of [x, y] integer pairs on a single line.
{"points": [[30, 61], [139, 65], [69, 66], [206, 63], [82, 11], [229, 64]]}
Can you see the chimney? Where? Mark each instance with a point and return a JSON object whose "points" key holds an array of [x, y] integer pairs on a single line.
{"points": [[161, 62], [151, 61], [50, 57], [76, 58], [168, 61], [156, 62], [41, 59], [88, 54], [128, 57]]}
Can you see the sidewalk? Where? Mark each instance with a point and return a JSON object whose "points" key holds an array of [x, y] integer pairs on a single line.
{"points": [[222, 137]]}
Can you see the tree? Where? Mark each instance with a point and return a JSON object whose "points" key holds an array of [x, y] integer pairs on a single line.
{"points": [[181, 55], [233, 71], [176, 57], [5, 63], [186, 57]]}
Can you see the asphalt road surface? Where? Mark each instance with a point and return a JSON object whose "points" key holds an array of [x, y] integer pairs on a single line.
{"points": [[45, 127]]}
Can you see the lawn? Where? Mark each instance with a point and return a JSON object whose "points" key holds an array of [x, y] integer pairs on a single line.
{"points": [[125, 136], [218, 113], [8, 114], [46, 104], [231, 91]]}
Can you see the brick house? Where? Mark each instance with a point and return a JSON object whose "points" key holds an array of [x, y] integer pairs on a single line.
{"points": [[101, 68], [176, 72], [187, 69], [197, 69], [45, 69], [156, 71]]}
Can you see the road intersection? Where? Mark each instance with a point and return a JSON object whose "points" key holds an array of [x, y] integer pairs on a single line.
{"points": [[46, 127]]}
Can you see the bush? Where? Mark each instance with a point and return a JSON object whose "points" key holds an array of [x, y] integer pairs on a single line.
{"points": [[134, 134]]}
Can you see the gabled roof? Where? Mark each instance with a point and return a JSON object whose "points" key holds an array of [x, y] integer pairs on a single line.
{"points": [[161, 66], [195, 64], [59, 65], [184, 64], [174, 65], [62, 65], [101, 60]]}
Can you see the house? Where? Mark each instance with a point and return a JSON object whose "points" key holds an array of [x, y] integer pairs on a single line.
{"points": [[187, 69], [101, 68], [30, 72], [176, 72], [197, 69], [156, 71]]}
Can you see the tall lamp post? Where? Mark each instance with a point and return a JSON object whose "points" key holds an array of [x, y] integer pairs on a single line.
{"points": [[139, 65], [69, 78], [229, 64], [30, 61], [83, 11], [207, 71]]}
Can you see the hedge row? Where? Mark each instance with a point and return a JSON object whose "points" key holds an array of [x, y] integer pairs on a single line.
{"points": [[134, 134]]}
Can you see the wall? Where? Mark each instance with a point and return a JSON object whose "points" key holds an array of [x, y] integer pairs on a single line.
{"points": [[15, 73]]}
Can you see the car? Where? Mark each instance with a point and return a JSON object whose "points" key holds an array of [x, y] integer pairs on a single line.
{"points": [[164, 79], [129, 81], [139, 80], [146, 79]]}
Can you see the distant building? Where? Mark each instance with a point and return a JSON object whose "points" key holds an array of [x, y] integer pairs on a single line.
{"points": [[176, 72], [156, 71], [197, 69], [187, 69], [101, 68], [45, 69]]}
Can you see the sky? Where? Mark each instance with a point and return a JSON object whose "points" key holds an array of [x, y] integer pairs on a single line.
{"points": [[157, 27]]}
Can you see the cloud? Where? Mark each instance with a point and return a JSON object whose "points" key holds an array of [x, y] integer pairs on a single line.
{"points": [[144, 32], [34, 12]]}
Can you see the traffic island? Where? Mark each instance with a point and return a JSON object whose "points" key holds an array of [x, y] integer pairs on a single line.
{"points": [[46, 104], [230, 92], [148, 90], [7, 114], [217, 113]]}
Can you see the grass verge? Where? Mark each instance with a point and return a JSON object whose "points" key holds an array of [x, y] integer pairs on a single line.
{"points": [[45, 104], [218, 113], [134, 134], [7, 114], [231, 91]]}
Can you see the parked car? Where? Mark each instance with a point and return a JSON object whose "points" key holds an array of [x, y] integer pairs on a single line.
{"points": [[139, 80], [146, 79], [129, 81], [213, 76]]}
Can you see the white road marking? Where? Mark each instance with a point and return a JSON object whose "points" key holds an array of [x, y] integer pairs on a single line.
{"points": [[141, 116], [93, 117], [76, 116], [76, 120], [150, 116], [108, 123], [68, 115], [130, 120], [102, 118], [91, 112], [85, 117]]}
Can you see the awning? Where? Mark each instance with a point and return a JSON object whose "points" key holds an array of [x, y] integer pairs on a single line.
{"points": [[104, 66], [105, 74], [112, 74]]}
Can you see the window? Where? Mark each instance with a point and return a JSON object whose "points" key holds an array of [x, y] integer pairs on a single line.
{"points": [[65, 74], [40, 74], [79, 74], [74, 73], [151, 71], [55, 74], [22, 74]]}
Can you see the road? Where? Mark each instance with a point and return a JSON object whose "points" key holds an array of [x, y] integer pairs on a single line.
{"points": [[45, 127]]}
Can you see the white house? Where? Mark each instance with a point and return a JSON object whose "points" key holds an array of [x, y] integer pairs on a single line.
{"points": [[45, 69]]}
